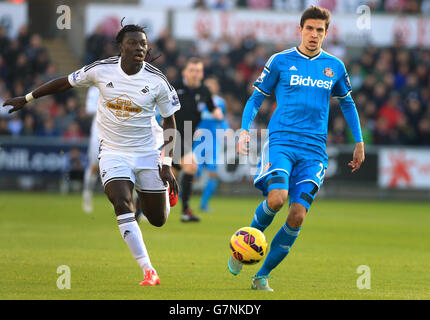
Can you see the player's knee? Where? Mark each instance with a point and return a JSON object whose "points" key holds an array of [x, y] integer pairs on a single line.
{"points": [[158, 221], [296, 216], [123, 205], [276, 200]]}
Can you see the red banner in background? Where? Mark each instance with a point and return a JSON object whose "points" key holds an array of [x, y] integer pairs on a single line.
{"points": [[404, 168]]}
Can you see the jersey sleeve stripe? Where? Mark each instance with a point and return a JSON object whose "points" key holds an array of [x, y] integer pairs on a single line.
{"points": [[344, 96], [162, 76], [104, 60], [269, 62], [97, 64], [265, 93]]}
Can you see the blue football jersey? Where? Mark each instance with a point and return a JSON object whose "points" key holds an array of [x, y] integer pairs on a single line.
{"points": [[303, 86], [208, 121]]}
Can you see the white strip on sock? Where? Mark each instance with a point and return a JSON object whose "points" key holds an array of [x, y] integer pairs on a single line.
{"points": [[132, 235], [167, 203]]}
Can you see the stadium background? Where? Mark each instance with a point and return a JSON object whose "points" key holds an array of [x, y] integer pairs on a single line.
{"points": [[43, 147]]}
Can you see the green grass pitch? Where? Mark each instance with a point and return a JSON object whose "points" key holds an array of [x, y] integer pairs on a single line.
{"points": [[40, 232]]}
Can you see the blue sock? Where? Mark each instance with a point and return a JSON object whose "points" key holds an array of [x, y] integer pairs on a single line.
{"points": [[263, 216], [279, 248], [208, 192]]}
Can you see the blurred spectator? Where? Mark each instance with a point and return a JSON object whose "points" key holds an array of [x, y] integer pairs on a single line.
{"points": [[423, 136], [73, 132], [391, 111], [29, 126], [200, 4], [48, 128], [95, 45], [84, 121], [4, 131], [75, 166], [62, 119], [4, 40], [15, 124]]}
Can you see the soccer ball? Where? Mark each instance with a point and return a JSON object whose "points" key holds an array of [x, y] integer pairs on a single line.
{"points": [[248, 245]]}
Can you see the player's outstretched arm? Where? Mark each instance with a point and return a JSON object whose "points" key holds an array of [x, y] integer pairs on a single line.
{"points": [[249, 113], [54, 86], [351, 116], [166, 175]]}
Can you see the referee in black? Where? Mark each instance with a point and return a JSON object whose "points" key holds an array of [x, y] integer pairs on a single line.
{"points": [[193, 96]]}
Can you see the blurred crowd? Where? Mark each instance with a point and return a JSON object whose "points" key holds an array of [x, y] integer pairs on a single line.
{"points": [[391, 86], [335, 6], [25, 65]]}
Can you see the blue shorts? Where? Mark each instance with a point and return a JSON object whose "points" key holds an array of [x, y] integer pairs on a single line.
{"points": [[298, 170]]}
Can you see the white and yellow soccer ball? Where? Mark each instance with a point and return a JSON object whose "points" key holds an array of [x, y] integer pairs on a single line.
{"points": [[248, 245]]}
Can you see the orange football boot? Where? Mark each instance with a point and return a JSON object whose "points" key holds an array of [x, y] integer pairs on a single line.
{"points": [[151, 278]]}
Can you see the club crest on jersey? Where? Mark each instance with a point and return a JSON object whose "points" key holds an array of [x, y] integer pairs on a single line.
{"points": [[261, 77], [348, 82], [76, 75], [329, 72], [145, 90], [175, 100], [122, 107]]}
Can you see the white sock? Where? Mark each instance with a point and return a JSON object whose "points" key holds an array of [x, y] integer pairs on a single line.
{"points": [[167, 203], [132, 235]]}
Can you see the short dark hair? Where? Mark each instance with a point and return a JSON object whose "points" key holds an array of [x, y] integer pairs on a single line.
{"points": [[314, 12], [128, 28], [193, 60]]}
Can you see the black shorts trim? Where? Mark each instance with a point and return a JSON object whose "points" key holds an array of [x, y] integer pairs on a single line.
{"points": [[151, 191], [306, 197], [116, 178]]}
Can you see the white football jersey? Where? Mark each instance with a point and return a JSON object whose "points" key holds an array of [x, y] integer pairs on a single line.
{"points": [[126, 105]]}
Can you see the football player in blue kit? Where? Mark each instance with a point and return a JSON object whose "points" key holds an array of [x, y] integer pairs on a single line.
{"points": [[209, 161], [293, 160]]}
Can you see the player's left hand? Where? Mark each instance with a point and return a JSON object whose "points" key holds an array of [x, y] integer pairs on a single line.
{"points": [[358, 157], [217, 114], [167, 176]]}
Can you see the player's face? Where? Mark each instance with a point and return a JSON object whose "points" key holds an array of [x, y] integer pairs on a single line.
{"points": [[193, 74], [313, 34], [134, 47]]}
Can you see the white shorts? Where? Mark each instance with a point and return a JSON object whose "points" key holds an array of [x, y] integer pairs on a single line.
{"points": [[142, 171]]}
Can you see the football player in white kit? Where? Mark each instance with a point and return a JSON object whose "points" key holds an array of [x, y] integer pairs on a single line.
{"points": [[130, 88], [91, 171]]}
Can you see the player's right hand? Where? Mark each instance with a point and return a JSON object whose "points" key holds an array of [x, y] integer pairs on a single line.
{"points": [[17, 103], [242, 146]]}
